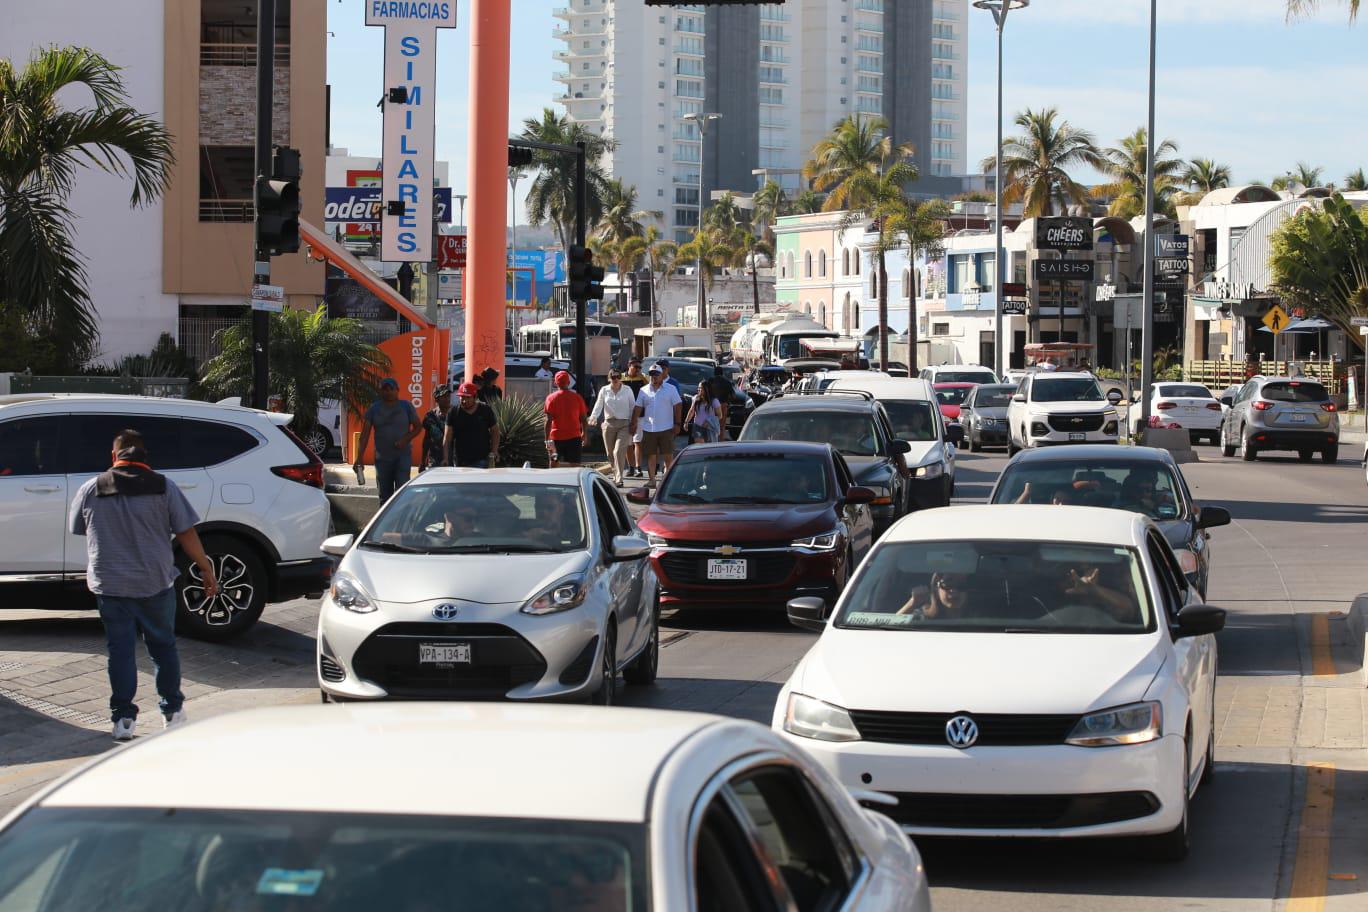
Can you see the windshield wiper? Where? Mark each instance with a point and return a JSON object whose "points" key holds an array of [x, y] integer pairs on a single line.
{"points": [[393, 547], [685, 498]]}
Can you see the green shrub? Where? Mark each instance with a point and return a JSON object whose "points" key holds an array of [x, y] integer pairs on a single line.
{"points": [[521, 431]]}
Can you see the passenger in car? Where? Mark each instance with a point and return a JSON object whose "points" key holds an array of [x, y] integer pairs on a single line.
{"points": [[945, 598], [1084, 584]]}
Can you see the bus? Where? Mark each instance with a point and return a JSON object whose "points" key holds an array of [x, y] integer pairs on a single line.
{"points": [[556, 337]]}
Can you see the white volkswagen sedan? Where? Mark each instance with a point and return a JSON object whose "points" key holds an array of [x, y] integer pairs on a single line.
{"points": [[489, 584], [1015, 671], [415, 807]]}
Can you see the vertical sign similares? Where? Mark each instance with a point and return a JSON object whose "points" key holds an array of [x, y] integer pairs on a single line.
{"points": [[410, 121]]}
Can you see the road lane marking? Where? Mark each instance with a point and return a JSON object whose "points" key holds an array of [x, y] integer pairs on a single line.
{"points": [[1322, 659], [1311, 867]]}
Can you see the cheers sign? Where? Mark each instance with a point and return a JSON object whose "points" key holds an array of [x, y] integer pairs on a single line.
{"points": [[1064, 232]]}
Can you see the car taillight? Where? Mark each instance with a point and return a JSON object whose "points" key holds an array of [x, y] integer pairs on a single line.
{"points": [[1262, 406], [1214, 406], [1163, 406], [309, 473], [1328, 406]]}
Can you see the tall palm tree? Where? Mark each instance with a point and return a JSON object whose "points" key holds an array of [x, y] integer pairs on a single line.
{"points": [[44, 143], [621, 218], [806, 203], [857, 146], [1299, 8], [747, 251], [1356, 180], [711, 249], [660, 258], [311, 357], [551, 198], [1034, 164], [1203, 175], [770, 203], [1306, 175], [724, 214], [1126, 165]]}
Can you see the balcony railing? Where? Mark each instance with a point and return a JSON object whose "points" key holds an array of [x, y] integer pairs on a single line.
{"points": [[239, 55], [225, 210]]}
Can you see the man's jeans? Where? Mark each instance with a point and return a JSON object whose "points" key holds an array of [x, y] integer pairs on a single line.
{"points": [[155, 618], [391, 474]]}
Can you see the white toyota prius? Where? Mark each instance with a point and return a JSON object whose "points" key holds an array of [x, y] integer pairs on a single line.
{"points": [[1015, 671]]}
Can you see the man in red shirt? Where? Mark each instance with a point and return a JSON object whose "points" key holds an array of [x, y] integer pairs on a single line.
{"points": [[565, 421]]}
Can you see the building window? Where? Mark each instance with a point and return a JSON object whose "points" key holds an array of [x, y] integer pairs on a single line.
{"points": [[821, 263], [845, 262], [940, 329], [855, 260], [907, 284], [226, 183], [874, 284], [807, 265], [821, 311]]}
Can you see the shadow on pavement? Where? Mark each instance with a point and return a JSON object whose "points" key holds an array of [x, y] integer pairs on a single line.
{"points": [[728, 619], [1268, 511], [29, 736]]}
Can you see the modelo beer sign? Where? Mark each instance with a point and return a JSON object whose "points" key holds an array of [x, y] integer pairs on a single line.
{"points": [[1064, 270], [1064, 232]]}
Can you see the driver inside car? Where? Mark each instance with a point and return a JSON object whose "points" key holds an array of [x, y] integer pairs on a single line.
{"points": [[945, 598]]}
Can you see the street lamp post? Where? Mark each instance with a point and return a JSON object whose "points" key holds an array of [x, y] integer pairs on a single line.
{"points": [[1147, 302], [999, 9], [702, 121]]}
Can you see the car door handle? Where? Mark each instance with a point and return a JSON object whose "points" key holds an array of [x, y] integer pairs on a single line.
{"points": [[187, 485], [42, 489]]}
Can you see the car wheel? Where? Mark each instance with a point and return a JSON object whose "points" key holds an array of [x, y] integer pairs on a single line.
{"points": [[1305, 455], [1227, 449], [1173, 845], [323, 697], [241, 597], [1012, 448], [1330, 455], [644, 667], [974, 445], [1248, 451], [606, 695], [318, 440]]}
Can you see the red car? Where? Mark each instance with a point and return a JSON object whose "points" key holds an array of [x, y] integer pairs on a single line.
{"points": [[951, 396], [752, 525]]}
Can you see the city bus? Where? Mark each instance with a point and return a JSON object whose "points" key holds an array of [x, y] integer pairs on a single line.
{"points": [[556, 337]]}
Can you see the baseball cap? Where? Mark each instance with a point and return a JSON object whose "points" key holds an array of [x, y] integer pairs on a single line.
{"points": [[468, 389], [563, 379], [654, 369], [390, 382], [441, 390]]}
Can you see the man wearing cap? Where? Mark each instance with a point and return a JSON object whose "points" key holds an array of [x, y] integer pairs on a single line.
{"points": [[434, 428], [658, 412], [472, 432], [564, 424], [396, 423]]}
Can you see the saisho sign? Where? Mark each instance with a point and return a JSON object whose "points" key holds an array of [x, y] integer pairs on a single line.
{"points": [[1064, 232], [1074, 270], [410, 121], [361, 206]]}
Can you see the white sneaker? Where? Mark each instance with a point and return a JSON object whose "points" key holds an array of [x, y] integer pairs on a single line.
{"points": [[123, 729], [176, 718]]}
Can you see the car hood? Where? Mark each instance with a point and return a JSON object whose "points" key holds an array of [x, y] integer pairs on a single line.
{"points": [[409, 578], [737, 523], [1072, 408], [913, 671], [994, 412], [869, 469], [923, 451]]}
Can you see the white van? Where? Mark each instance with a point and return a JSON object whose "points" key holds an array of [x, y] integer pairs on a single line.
{"points": [[916, 418]]}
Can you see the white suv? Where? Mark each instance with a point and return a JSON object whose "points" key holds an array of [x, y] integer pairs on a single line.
{"points": [[958, 373], [257, 489], [1051, 408]]}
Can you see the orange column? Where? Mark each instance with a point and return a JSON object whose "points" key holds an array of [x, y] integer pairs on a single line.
{"points": [[487, 185]]}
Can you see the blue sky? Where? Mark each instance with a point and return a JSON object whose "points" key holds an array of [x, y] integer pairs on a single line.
{"points": [[1236, 82]]}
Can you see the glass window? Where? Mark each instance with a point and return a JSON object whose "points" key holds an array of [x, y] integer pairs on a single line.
{"points": [[851, 433], [747, 479], [212, 443], [90, 437], [912, 419], [999, 587], [480, 517], [1185, 390], [32, 446], [1066, 389], [1294, 391], [993, 397], [952, 395], [727, 874], [1139, 487], [971, 376]]}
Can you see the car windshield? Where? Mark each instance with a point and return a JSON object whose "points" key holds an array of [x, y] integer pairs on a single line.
{"points": [[851, 433], [479, 517], [743, 478], [159, 858], [964, 377], [1294, 391], [1185, 391], [994, 397], [952, 395], [1140, 487], [998, 587], [911, 419], [1066, 389]]}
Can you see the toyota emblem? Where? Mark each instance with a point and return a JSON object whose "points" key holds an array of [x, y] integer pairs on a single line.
{"points": [[961, 732], [445, 612]]}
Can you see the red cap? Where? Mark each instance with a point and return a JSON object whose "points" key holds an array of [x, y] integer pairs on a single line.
{"points": [[468, 389], [563, 379]]}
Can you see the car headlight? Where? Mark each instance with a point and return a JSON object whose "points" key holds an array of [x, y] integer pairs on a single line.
{"points": [[1187, 560], [931, 470], [561, 595], [656, 541], [1133, 724], [348, 593], [809, 718], [824, 542]]}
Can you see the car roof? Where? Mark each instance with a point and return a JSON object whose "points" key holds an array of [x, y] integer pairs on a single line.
{"points": [[1021, 522], [1096, 452], [1062, 375], [954, 384], [756, 447], [160, 404], [560, 476], [814, 402], [460, 759], [955, 367], [886, 387]]}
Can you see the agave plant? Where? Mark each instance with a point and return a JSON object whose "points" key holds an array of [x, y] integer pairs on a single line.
{"points": [[521, 431]]}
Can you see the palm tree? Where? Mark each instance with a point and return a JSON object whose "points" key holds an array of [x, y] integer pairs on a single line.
{"points": [[1203, 175], [711, 249], [747, 252], [1299, 8], [806, 203], [621, 218], [1034, 164], [1126, 167], [43, 145], [1356, 180], [311, 358], [551, 198], [857, 146], [660, 258], [770, 203], [1306, 175], [723, 214]]}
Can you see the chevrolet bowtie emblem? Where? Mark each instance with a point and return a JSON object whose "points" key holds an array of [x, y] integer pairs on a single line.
{"points": [[727, 550]]}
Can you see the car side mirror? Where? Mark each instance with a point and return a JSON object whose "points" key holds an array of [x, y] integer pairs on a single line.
{"points": [[901, 448], [1211, 517], [1114, 397], [954, 433], [338, 545], [1228, 401], [639, 496], [628, 547], [858, 495], [1196, 620], [808, 612], [1018, 397]]}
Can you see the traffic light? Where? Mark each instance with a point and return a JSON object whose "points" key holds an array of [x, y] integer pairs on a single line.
{"points": [[585, 279], [518, 157], [278, 205]]}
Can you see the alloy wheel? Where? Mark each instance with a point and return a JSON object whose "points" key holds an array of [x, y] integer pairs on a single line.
{"points": [[237, 591], [317, 440]]}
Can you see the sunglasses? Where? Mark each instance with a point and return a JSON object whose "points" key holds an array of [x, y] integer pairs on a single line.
{"points": [[947, 586], [615, 376]]}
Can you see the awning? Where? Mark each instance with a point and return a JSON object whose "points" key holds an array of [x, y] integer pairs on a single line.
{"points": [[330, 250]]}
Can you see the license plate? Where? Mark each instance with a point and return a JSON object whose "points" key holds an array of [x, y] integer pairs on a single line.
{"points": [[1078, 436], [444, 653], [726, 569], [1189, 411], [1299, 418]]}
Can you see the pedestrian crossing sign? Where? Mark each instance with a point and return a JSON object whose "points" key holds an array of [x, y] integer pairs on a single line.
{"points": [[1276, 319]]}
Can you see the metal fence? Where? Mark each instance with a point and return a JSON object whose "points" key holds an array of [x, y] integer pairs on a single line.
{"points": [[198, 335]]}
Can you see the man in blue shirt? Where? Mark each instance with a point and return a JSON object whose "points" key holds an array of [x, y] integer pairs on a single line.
{"points": [[395, 422]]}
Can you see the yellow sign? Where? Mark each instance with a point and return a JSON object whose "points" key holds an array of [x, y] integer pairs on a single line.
{"points": [[1276, 319]]}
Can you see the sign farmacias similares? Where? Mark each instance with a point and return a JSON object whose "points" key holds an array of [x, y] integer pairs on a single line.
{"points": [[410, 122]]}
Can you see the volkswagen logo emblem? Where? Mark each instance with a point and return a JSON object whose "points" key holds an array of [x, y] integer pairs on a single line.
{"points": [[447, 612], [961, 732]]}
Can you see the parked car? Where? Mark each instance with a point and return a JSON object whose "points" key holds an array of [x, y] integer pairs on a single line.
{"points": [[688, 374], [1282, 413], [1052, 408], [1015, 671], [1141, 479], [257, 488], [958, 373], [820, 380], [858, 428], [1188, 405], [521, 584], [576, 808], [983, 415], [756, 524]]}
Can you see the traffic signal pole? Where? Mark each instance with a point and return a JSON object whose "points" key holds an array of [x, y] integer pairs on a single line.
{"points": [[581, 234], [261, 320]]}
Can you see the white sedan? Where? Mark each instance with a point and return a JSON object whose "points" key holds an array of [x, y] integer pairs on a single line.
{"points": [[1191, 406], [1039, 671], [416, 807]]}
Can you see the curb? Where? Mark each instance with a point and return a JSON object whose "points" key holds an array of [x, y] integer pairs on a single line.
{"points": [[1356, 630]]}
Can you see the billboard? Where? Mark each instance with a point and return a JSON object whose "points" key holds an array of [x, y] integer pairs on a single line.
{"points": [[359, 208], [1064, 232]]}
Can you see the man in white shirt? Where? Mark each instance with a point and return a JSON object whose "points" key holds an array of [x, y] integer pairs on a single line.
{"points": [[658, 411], [614, 407]]}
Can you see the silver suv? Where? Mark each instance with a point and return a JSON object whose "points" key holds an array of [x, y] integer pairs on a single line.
{"points": [[1281, 413]]}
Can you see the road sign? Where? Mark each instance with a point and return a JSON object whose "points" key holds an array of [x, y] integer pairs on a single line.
{"points": [[1014, 306], [268, 297], [1175, 245], [1276, 319], [1358, 321], [1065, 232]]}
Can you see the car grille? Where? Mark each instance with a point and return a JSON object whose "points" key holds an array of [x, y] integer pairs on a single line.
{"points": [[746, 546], [1017, 812], [762, 569], [500, 661], [999, 730], [1077, 423], [330, 671]]}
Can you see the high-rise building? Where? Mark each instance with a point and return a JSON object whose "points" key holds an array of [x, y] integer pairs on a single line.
{"points": [[780, 74]]}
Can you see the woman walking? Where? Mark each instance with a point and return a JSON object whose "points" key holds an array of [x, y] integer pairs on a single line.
{"points": [[613, 408], [704, 420]]}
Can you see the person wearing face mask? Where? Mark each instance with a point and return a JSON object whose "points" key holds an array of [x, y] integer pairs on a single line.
{"points": [[613, 410]]}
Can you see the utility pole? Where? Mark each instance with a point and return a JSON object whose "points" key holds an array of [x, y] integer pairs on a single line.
{"points": [[1147, 303], [261, 319], [581, 235]]}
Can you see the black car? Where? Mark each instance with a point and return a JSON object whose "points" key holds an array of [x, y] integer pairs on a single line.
{"points": [[1139, 479], [688, 374], [983, 415], [858, 428]]}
